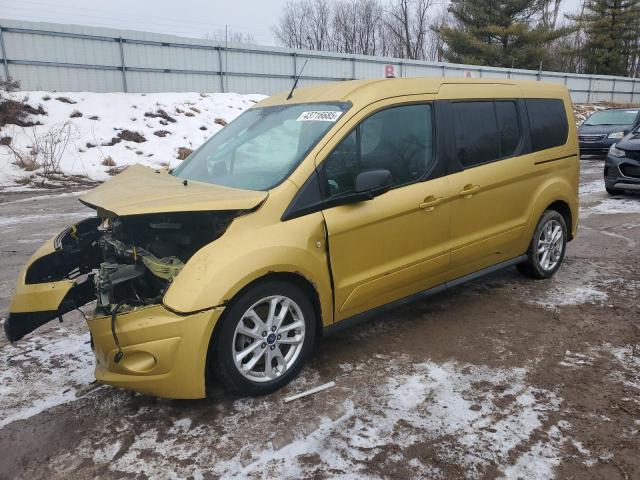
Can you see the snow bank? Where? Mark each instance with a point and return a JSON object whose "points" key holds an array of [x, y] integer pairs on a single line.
{"points": [[165, 123]]}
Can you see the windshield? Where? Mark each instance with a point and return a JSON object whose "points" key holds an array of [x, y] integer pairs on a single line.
{"points": [[260, 148], [612, 117]]}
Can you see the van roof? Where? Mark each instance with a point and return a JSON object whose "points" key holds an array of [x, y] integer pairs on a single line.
{"points": [[367, 91]]}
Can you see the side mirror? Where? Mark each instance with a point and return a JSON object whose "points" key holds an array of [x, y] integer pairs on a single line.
{"points": [[373, 180]]}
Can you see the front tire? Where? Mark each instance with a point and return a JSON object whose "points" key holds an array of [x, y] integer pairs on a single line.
{"points": [[266, 336], [613, 191], [547, 248]]}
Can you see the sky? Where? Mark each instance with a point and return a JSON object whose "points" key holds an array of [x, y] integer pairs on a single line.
{"points": [[192, 18]]}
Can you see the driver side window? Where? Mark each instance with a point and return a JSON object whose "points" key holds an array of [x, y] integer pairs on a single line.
{"points": [[397, 139]]}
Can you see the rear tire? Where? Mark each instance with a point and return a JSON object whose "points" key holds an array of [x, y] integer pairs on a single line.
{"points": [[613, 191], [547, 248], [266, 336]]}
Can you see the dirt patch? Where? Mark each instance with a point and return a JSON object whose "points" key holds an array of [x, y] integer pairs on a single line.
{"points": [[183, 153], [75, 114], [162, 133], [14, 112], [160, 114], [111, 142], [108, 162], [130, 136], [220, 121], [66, 100]]}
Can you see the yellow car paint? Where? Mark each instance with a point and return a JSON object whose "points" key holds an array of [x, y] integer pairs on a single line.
{"points": [[165, 353], [423, 234]]}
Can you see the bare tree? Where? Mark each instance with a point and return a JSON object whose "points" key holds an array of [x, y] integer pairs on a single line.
{"points": [[549, 10], [318, 24], [368, 27], [435, 42], [408, 28]]}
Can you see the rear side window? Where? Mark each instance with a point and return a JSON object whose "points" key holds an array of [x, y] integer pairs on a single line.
{"points": [[548, 123], [508, 127], [476, 132]]}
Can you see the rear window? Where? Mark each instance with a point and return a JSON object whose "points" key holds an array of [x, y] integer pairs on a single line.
{"points": [[548, 123], [486, 131], [476, 131]]}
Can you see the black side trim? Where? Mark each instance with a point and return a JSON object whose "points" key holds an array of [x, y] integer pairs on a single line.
{"points": [[555, 159], [349, 322], [307, 200]]}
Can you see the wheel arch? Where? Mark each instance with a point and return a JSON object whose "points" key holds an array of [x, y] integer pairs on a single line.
{"points": [[294, 278], [563, 209]]}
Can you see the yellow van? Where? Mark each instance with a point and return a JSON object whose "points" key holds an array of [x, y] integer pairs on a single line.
{"points": [[309, 211]]}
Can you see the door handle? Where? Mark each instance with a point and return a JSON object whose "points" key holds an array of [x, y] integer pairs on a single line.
{"points": [[430, 203], [469, 190]]}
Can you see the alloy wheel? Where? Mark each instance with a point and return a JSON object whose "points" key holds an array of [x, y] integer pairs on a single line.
{"points": [[550, 245], [268, 338]]}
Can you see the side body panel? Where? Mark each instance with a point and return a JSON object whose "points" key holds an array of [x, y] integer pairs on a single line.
{"points": [[388, 247], [495, 222]]}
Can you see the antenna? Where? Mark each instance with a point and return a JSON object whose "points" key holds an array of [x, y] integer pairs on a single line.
{"points": [[295, 83]]}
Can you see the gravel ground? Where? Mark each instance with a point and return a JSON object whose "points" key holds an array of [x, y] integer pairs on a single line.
{"points": [[501, 377]]}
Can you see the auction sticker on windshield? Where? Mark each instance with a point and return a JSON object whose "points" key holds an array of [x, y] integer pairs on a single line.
{"points": [[319, 116]]}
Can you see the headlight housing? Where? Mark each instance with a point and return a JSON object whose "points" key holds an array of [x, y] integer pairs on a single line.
{"points": [[616, 152], [616, 135]]}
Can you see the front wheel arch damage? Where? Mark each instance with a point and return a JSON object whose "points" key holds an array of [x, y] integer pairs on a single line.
{"points": [[294, 278]]}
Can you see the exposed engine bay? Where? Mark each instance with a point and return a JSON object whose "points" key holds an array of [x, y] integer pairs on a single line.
{"points": [[140, 255], [121, 262]]}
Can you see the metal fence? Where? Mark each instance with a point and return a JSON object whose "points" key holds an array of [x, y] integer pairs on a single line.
{"points": [[47, 56]]}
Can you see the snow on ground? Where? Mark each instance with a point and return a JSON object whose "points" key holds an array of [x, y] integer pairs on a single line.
{"points": [[622, 204], [474, 416], [628, 362], [38, 374], [165, 121]]}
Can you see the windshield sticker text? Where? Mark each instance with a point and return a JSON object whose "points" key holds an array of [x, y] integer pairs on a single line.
{"points": [[319, 116]]}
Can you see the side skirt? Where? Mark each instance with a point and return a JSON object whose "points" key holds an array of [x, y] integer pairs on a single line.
{"points": [[374, 312]]}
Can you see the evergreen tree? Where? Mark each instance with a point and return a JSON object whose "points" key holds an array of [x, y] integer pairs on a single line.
{"points": [[613, 29], [499, 33]]}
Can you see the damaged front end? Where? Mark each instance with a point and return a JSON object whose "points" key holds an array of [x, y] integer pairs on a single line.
{"points": [[121, 262]]}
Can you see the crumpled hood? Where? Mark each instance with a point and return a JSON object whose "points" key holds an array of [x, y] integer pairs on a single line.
{"points": [[142, 190], [630, 142]]}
